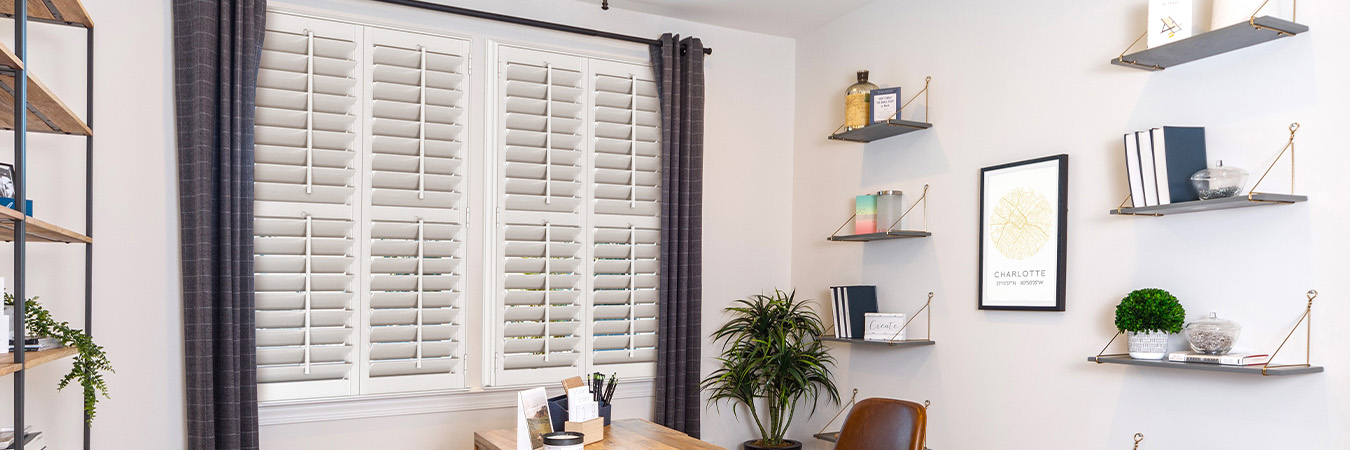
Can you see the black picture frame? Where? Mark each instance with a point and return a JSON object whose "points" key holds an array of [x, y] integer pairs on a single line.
{"points": [[1061, 215], [6, 180]]}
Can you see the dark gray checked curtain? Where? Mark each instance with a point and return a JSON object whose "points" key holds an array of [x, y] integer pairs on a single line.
{"points": [[679, 79], [217, 44]]}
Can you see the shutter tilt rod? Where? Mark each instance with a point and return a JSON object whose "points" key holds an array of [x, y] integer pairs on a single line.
{"points": [[632, 286], [548, 288], [527, 22], [632, 143], [548, 134], [421, 270], [309, 285], [422, 133], [309, 114]]}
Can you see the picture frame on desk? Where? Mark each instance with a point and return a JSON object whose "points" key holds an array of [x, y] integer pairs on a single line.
{"points": [[1023, 235]]}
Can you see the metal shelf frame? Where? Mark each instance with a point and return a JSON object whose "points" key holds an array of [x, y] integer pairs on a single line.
{"points": [[55, 15]]}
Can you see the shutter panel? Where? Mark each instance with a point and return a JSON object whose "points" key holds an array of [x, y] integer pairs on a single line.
{"points": [[417, 87], [304, 217], [542, 169], [626, 227]]}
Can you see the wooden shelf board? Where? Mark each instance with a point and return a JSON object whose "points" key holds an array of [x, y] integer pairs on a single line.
{"points": [[893, 234], [1204, 45], [66, 12], [904, 343], [1240, 201], [1249, 370], [38, 230], [893, 127], [46, 113], [33, 359], [9, 59]]}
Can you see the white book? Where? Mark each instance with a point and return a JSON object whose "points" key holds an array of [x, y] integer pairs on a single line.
{"points": [[1170, 21], [1160, 166], [837, 294], [1231, 359], [1146, 169], [1132, 167]]}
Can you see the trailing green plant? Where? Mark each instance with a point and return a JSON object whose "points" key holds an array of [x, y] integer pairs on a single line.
{"points": [[90, 360], [770, 352], [1150, 310]]}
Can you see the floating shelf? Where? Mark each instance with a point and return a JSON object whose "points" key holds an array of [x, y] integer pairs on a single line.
{"points": [[64, 12], [46, 112], [1249, 370], [869, 237], [902, 343], [37, 230], [874, 132], [1241, 201], [832, 436], [33, 359], [1204, 45]]}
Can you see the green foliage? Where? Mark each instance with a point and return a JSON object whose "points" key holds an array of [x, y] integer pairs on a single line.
{"points": [[1148, 310], [90, 360], [770, 353]]}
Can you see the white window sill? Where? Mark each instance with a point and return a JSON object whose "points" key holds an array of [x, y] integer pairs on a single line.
{"points": [[322, 410]]}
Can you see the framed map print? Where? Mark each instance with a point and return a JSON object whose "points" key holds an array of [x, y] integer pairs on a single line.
{"points": [[1023, 235]]}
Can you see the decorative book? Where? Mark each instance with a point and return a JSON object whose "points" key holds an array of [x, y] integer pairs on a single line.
{"points": [[1230, 359]]}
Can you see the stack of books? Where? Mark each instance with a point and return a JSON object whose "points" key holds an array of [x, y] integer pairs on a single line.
{"points": [[33, 344], [851, 304], [1229, 359], [1160, 162], [31, 439]]}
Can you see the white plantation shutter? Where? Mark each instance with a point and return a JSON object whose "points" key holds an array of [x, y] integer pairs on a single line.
{"points": [[304, 216], [578, 218], [626, 224], [541, 165], [416, 215]]}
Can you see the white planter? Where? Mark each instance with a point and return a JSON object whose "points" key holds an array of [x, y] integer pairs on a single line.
{"points": [[1151, 345]]}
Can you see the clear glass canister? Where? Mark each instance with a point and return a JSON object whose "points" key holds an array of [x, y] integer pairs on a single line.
{"points": [[889, 209], [1212, 335], [1219, 182]]}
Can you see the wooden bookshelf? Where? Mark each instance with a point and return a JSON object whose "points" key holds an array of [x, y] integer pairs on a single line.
{"points": [[33, 359], [65, 12], [46, 112], [38, 230]]}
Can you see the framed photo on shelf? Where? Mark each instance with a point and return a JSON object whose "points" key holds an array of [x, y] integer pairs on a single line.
{"points": [[1023, 234], [6, 180]]}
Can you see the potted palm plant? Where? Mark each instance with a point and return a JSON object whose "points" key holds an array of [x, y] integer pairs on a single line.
{"points": [[771, 362], [1149, 316]]}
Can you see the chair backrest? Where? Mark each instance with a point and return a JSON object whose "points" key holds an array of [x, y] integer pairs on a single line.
{"points": [[884, 424]]}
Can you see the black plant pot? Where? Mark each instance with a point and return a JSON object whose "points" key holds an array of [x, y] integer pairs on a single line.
{"points": [[788, 444]]}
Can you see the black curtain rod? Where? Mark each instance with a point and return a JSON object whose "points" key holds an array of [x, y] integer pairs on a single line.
{"points": [[527, 22]]}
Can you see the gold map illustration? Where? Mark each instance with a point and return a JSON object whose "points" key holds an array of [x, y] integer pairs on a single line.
{"points": [[1021, 223]]}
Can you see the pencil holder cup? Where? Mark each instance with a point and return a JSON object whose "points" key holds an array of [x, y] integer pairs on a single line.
{"points": [[557, 411]]}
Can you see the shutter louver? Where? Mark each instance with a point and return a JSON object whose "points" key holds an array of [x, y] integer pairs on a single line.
{"points": [[417, 98], [625, 298], [543, 295], [304, 219]]}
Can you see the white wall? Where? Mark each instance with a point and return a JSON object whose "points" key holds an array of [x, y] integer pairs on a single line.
{"points": [[1018, 80]]}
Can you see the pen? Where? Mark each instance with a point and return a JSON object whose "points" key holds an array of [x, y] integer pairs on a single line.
{"points": [[609, 392]]}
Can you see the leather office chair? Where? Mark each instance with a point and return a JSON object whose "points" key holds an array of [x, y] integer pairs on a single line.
{"points": [[884, 424]]}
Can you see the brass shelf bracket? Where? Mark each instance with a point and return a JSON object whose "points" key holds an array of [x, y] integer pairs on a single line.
{"points": [[1138, 437], [926, 104], [846, 406], [1288, 148], [1252, 20], [1122, 59], [1103, 353], [928, 332], [1307, 356]]}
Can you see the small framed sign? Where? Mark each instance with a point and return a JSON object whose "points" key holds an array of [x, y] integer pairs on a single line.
{"points": [[884, 103], [884, 327], [1023, 234]]}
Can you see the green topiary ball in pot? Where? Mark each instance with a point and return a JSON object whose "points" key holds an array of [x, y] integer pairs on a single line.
{"points": [[1149, 316]]}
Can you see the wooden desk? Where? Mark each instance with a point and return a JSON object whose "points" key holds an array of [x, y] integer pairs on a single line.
{"points": [[627, 434]]}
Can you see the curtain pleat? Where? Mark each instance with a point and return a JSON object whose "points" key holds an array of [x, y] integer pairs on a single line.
{"points": [[217, 45], [678, 65]]}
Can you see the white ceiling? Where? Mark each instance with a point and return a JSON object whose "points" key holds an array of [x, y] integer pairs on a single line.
{"points": [[777, 17]]}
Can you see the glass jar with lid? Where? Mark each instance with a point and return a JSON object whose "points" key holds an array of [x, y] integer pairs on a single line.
{"points": [[1212, 335], [1219, 182]]}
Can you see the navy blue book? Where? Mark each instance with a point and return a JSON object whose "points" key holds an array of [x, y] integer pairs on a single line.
{"points": [[851, 303], [1178, 153]]}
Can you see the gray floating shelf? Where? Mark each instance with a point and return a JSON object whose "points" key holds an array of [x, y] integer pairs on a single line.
{"points": [[832, 436], [1215, 42], [904, 343], [1249, 370], [893, 127], [893, 234], [1241, 201]]}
